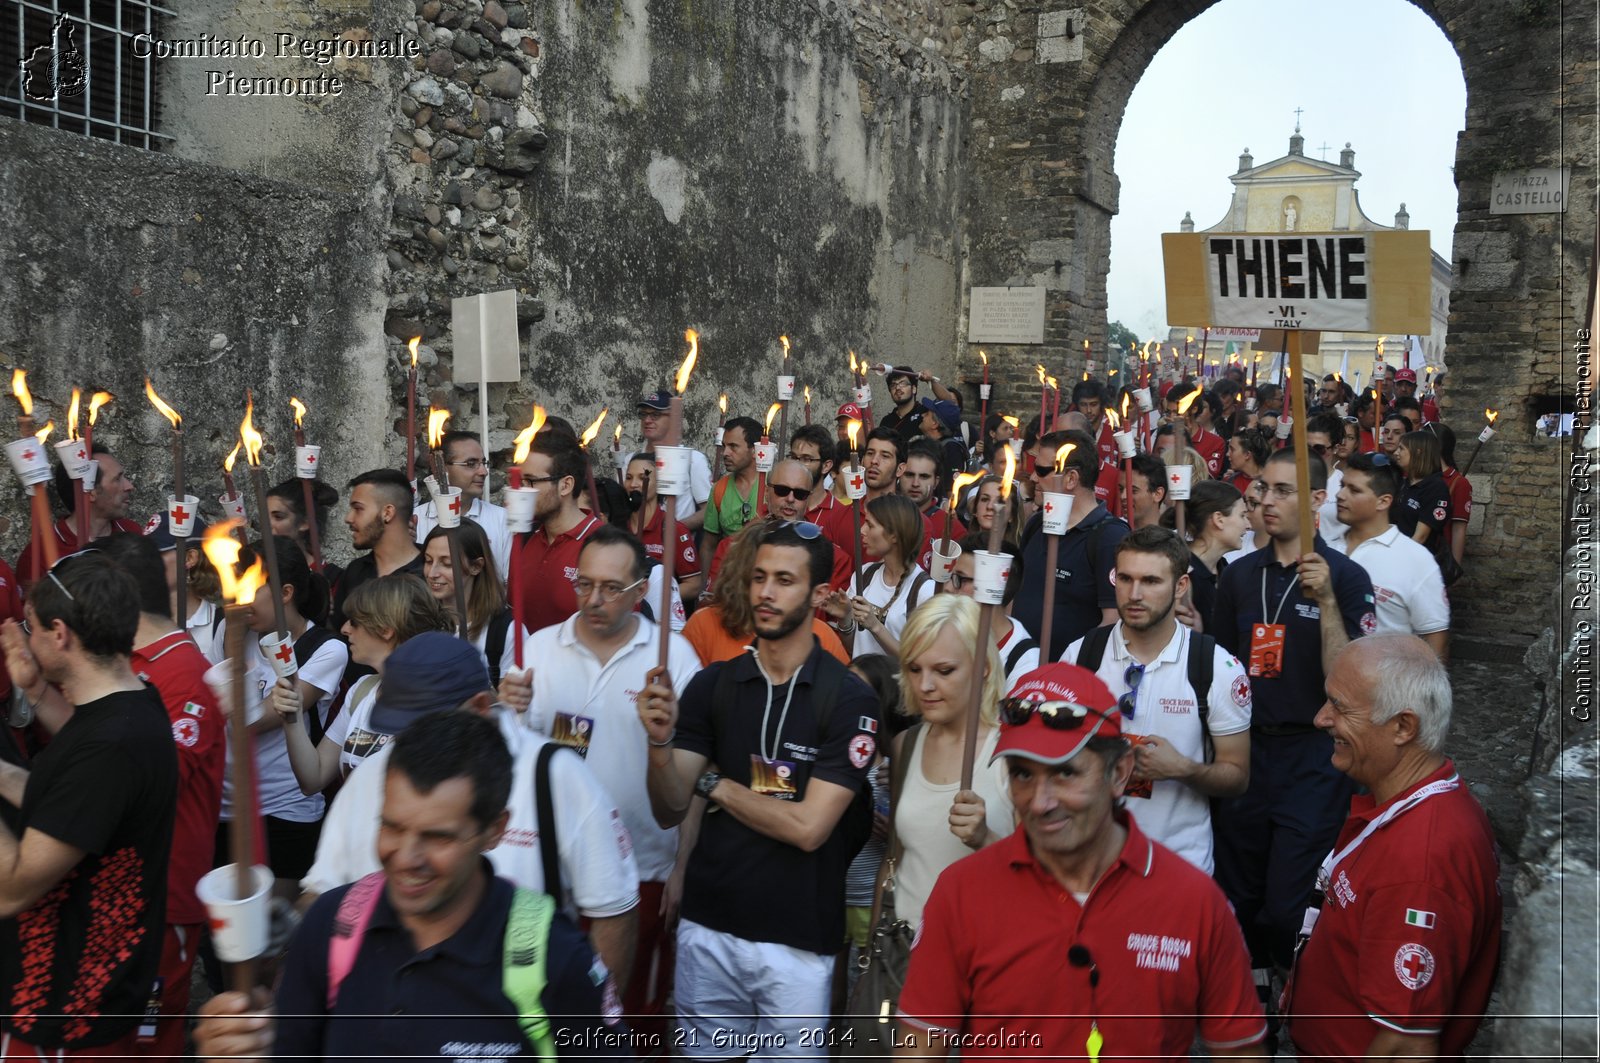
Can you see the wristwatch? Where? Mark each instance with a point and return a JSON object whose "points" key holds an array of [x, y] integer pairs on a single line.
{"points": [[706, 783]]}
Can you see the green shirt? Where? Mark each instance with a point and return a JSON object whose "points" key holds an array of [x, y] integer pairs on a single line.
{"points": [[732, 512]]}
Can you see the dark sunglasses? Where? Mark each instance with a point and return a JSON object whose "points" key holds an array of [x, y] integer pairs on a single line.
{"points": [[1132, 677], [1056, 715], [785, 491]]}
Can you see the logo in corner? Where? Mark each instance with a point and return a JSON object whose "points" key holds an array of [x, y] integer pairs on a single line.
{"points": [[56, 69], [1413, 965]]}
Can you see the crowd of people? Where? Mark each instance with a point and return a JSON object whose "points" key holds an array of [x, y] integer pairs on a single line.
{"points": [[1206, 798]]}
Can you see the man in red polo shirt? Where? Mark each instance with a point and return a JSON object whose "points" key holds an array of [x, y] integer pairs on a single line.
{"points": [[1102, 941], [108, 512], [549, 561], [648, 523], [788, 488], [1402, 953], [812, 447]]}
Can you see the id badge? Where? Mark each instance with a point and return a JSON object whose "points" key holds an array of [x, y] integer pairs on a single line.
{"points": [[574, 731], [774, 778], [1266, 651], [152, 1012], [1138, 786]]}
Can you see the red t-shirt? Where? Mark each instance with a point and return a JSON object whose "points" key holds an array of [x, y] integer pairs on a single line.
{"points": [[994, 941], [836, 521], [1106, 444], [548, 569], [174, 665], [66, 533], [1408, 938], [933, 523], [687, 561], [1211, 447], [1108, 488], [1460, 504]]}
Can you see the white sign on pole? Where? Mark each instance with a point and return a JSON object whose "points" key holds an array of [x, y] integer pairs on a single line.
{"points": [[484, 332], [1541, 191], [1006, 315]]}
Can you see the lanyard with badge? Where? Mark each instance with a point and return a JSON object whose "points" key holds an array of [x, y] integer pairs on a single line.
{"points": [[769, 775], [1267, 638]]}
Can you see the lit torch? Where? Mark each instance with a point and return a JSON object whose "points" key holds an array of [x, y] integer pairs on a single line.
{"points": [[441, 489], [983, 392], [524, 444], [808, 403], [785, 392], [411, 412], [80, 488], [969, 751], [436, 422], [668, 500], [1180, 445], [252, 455], [41, 546], [584, 440], [1054, 526], [179, 530], [306, 458], [1489, 418], [855, 480], [231, 502]]}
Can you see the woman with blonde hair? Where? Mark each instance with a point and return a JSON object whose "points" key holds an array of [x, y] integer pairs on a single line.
{"points": [[935, 822]]}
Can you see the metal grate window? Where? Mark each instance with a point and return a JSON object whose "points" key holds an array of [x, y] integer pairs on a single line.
{"points": [[73, 66]]}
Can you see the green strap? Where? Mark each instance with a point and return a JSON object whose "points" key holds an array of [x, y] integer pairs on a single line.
{"points": [[526, 946]]}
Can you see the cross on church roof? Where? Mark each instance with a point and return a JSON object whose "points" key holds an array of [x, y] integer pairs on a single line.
{"points": [[1324, 150], [1297, 112]]}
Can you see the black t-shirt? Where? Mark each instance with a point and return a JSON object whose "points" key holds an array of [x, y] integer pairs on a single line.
{"points": [[1425, 502], [363, 568], [79, 963], [740, 881], [1082, 589], [1203, 588]]}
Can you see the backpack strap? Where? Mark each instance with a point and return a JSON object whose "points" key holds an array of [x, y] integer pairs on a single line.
{"points": [[349, 928], [1093, 648], [918, 582], [868, 574], [549, 843], [1202, 667], [1019, 651], [523, 971], [495, 645]]}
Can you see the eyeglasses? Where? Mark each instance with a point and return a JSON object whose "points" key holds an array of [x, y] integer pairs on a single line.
{"points": [[540, 479], [471, 463], [1279, 490], [957, 580], [785, 491], [1132, 677], [609, 592], [1056, 715], [802, 459]]}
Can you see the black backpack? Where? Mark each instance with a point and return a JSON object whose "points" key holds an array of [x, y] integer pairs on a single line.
{"points": [[1201, 668], [1018, 650]]}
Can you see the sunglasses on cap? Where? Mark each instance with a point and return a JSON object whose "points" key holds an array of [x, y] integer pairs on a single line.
{"points": [[1056, 715], [803, 528]]}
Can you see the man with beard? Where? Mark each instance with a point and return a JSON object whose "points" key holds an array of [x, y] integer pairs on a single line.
{"points": [[791, 733], [549, 561], [108, 512], [733, 499], [1189, 744], [380, 523]]}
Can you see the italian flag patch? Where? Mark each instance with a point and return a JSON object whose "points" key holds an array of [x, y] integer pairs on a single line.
{"points": [[1422, 919]]}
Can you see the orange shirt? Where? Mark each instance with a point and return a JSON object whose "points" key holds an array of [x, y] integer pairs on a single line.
{"points": [[713, 643]]}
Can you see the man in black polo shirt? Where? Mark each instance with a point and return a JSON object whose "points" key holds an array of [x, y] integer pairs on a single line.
{"points": [[791, 733], [1086, 597], [905, 413], [417, 953], [380, 523], [83, 881], [1286, 613]]}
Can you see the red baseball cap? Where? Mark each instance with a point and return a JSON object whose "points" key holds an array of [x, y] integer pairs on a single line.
{"points": [[1070, 705], [851, 411], [1406, 376]]}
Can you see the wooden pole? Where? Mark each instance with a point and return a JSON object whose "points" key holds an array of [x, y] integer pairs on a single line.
{"points": [[180, 576], [241, 831], [669, 540], [980, 653], [1302, 456], [268, 547]]}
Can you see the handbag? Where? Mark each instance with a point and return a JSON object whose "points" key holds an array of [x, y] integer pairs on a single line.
{"points": [[869, 1015], [1450, 570]]}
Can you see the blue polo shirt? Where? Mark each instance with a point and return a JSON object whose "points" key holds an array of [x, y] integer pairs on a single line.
{"points": [[444, 1002], [1294, 697], [1080, 593]]}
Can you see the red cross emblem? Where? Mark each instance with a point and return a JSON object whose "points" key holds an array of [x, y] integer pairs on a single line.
{"points": [[1005, 573], [1049, 507], [455, 505], [81, 454], [179, 514], [27, 455], [856, 482], [284, 652], [1175, 478], [1413, 965], [311, 459]]}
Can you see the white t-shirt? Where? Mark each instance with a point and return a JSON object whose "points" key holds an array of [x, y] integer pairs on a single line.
{"points": [[922, 823], [1329, 526], [880, 594], [209, 632], [278, 789], [599, 877], [652, 596], [1027, 661], [352, 728], [590, 706], [699, 485], [488, 516], [1406, 584], [1175, 814]]}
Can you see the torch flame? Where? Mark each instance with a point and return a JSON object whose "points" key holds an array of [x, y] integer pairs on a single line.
{"points": [[19, 388], [1125, 398], [1060, 464], [984, 356], [413, 343], [72, 415], [222, 550], [44, 433], [1153, 343], [1054, 386], [1111, 416], [1380, 347], [1010, 474], [693, 339], [1491, 415], [524, 438], [97, 400], [1040, 370], [785, 341], [248, 434], [1010, 420], [808, 394], [594, 428], [772, 411], [854, 369], [852, 429], [1187, 400], [233, 456], [299, 410], [616, 437], [962, 480], [722, 403], [436, 423]]}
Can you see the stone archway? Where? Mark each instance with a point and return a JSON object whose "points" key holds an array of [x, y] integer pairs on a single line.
{"points": [[1044, 189]]}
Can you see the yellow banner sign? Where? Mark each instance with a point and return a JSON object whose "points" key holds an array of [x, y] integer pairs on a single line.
{"points": [[1333, 282]]}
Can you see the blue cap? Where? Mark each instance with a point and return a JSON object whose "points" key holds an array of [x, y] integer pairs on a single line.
{"points": [[949, 413], [657, 400], [425, 673]]}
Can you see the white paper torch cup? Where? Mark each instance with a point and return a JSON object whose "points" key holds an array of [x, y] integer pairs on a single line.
{"points": [[306, 460], [785, 388], [943, 562], [1250, 404], [672, 470], [855, 482], [181, 514], [720, 431], [984, 390], [1178, 480], [766, 456], [520, 503], [29, 460], [273, 647], [1124, 444], [989, 575], [447, 506], [74, 455], [232, 508], [1142, 397], [1016, 447], [1486, 435], [864, 395], [1285, 426], [1056, 511], [91, 475], [240, 929]]}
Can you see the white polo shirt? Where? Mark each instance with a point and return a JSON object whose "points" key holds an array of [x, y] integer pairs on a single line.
{"points": [[599, 877], [1027, 660], [1175, 814], [1406, 584], [486, 515], [578, 700], [699, 485]]}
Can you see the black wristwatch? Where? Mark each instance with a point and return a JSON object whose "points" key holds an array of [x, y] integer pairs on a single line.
{"points": [[706, 783]]}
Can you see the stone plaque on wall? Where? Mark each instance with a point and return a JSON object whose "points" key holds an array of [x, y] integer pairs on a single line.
{"points": [[1006, 315], [1542, 191]]}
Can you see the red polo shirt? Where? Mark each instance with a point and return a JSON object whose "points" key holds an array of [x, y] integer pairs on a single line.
{"points": [[687, 561], [1409, 934], [174, 665], [1211, 447], [994, 941], [835, 519], [1460, 504], [933, 524], [1108, 487], [66, 533], [548, 568], [1106, 444]]}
